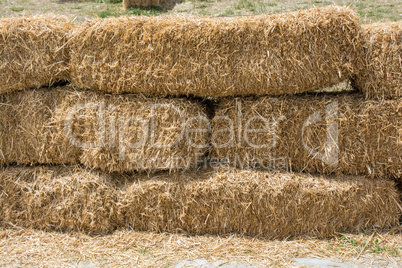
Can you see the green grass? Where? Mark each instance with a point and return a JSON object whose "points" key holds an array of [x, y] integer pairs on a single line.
{"points": [[146, 11], [17, 9], [373, 247]]}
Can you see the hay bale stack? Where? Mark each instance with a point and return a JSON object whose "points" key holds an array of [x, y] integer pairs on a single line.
{"points": [[29, 134], [34, 51], [327, 133], [113, 133], [381, 76], [268, 204], [173, 55]]}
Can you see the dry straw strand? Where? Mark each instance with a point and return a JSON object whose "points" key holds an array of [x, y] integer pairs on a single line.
{"points": [[175, 55], [267, 204], [34, 51], [335, 133], [381, 76]]}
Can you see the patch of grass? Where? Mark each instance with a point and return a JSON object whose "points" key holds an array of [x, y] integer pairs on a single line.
{"points": [[109, 1], [145, 11], [246, 4], [202, 6], [17, 9], [256, 7], [373, 247], [144, 251], [228, 12], [107, 13], [321, 2]]}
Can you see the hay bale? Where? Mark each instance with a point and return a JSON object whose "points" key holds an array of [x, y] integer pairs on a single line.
{"points": [[381, 76], [140, 3], [33, 51], [327, 133], [174, 55], [127, 132], [56, 199], [29, 134], [268, 204], [110, 132]]}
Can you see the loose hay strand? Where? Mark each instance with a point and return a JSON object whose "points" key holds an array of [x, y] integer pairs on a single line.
{"points": [[265, 204], [213, 57]]}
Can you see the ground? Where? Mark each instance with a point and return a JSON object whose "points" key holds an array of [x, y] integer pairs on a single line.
{"points": [[369, 10], [27, 247]]}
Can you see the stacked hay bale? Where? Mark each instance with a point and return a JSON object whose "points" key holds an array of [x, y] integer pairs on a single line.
{"points": [[34, 51], [267, 204], [381, 76], [110, 132], [213, 57], [325, 134], [104, 141]]}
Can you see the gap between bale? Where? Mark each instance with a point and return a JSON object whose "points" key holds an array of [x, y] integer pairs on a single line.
{"points": [[324, 133], [381, 75], [110, 132], [34, 51], [266, 204], [174, 55]]}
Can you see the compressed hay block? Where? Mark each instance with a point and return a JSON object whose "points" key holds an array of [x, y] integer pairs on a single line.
{"points": [[173, 55], [267, 204], [29, 133], [56, 199], [141, 3], [110, 132], [381, 75], [121, 133], [326, 133], [34, 51]]}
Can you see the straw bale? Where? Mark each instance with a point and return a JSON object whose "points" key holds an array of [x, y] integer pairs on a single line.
{"points": [[175, 55], [267, 204], [33, 51], [110, 132], [381, 76], [325, 133], [56, 199], [127, 132], [140, 3], [28, 133]]}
